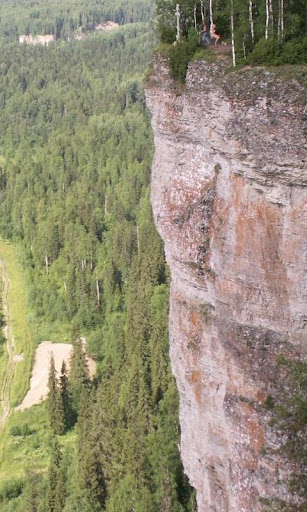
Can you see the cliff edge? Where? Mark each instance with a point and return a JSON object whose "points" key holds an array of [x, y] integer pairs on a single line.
{"points": [[230, 202]]}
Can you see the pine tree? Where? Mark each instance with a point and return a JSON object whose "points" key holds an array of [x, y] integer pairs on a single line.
{"points": [[60, 490], [30, 494], [55, 405], [53, 477], [89, 468], [65, 397], [79, 375]]}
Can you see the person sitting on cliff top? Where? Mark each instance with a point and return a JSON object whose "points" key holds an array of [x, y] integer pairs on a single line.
{"points": [[213, 33], [205, 35]]}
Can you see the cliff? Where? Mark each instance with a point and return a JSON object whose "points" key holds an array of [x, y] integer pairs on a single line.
{"points": [[229, 198]]}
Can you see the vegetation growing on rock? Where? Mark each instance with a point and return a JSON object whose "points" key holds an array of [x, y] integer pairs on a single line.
{"points": [[268, 32]]}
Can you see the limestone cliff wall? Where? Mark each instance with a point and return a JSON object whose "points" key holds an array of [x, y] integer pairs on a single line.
{"points": [[230, 201]]}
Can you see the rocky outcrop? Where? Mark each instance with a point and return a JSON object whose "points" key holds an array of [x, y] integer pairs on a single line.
{"points": [[230, 201]]}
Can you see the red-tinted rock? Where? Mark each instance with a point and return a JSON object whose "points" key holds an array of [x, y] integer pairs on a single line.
{"points": [[229, 198]]}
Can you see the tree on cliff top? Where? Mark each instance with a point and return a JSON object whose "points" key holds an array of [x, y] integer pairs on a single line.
{"points": [[262, 31]]}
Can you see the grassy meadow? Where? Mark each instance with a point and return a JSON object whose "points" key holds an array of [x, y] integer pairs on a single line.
{"points": [[25, 437], [25, 329]]}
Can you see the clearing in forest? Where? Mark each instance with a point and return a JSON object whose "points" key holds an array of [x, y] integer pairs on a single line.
{"points": [[39, 380], [17, 354]]}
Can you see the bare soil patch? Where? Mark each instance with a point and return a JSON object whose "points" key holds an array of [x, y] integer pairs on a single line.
{"points": [[39, 379], [34, 40], [108, 25]]}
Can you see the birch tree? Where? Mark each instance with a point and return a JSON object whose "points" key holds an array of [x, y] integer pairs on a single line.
{"points": [[233, 49], [251, 21], [281, 20], [211, 13], [267, 19], [202, 11]]}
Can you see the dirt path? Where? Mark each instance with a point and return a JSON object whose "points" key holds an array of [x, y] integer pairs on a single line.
{"points": [[10, 347]]}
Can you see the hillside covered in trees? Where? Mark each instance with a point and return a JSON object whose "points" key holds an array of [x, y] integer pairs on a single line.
{"points": [[76, 150], [63, 19]]}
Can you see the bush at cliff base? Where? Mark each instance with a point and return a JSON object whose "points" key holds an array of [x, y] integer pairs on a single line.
{"points": [[271, 52]]}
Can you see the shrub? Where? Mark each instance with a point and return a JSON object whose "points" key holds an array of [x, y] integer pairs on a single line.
{"points": [[15, 431], [11, 489], [20, 430], [266, 51], [269, 402], [94, 343], [271, 52], [294, 52], [181, 54]]}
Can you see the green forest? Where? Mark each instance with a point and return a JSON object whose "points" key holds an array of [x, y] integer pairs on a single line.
{"points": [[63, 19], [76, 151], [75, 156]]}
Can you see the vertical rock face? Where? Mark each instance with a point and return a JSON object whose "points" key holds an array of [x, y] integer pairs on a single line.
{"points": [[229, 198]]}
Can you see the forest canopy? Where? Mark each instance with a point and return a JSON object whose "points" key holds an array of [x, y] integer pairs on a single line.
{"points": [[76, 150], [75, 156], [63, 19]]}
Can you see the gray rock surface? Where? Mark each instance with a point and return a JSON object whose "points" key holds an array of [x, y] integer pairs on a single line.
{"points": [[230, 201]]}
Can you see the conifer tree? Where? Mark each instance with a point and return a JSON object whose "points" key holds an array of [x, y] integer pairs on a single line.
{"points": [[55, 405], [79, 375], [30, 494], [89, 468], [60, 490], [53, 477], [65, 397], [94, 259]]}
